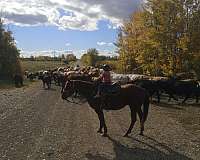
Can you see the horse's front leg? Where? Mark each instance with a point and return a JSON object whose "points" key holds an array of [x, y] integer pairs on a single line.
{"points": [[185, 99], [100, 122], [140, 114], [172, 96]]}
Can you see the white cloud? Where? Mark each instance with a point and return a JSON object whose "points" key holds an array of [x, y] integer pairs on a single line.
{"points": [[68, 44], [110, 44], [50, 53], [67, 14], [101, 43], [77, 22], [103, 52], [79, 53], [16, 42], [106, 52], [105, 44]]}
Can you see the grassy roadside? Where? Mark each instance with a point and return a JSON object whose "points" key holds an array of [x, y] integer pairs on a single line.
{"points": [[6, 84], [34, 66]]}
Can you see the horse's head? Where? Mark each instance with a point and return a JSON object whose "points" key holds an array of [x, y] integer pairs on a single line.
{"points": [[68, 90]]}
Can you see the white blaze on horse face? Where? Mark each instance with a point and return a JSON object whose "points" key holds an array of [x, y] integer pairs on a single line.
{"points": [[67, 86], [68, 89]]}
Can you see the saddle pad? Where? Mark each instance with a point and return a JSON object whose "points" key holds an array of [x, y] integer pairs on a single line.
{"points": [[112, 89]]}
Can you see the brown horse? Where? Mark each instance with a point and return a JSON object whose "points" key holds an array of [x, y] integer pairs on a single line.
{"points": [[82, 77], [129, 94]]}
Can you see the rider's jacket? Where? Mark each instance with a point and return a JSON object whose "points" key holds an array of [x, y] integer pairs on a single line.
{"points": [[106, 77]]}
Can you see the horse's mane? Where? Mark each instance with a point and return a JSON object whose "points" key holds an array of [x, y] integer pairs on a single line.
{"points": [[92, 83], [81, 77], [81, 81]]}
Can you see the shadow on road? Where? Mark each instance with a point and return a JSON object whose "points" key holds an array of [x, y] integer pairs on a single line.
{"points": [[195, 105], [153, 151], [166, 105], [177, 106]]}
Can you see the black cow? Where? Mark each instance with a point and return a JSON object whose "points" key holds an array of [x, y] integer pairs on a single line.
{"points": [[150, 85], [58, 78], [31, 76], [40, 75], [185, 88]]}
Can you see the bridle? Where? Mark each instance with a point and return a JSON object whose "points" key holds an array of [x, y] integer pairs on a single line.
{"points": [[72, 97]]}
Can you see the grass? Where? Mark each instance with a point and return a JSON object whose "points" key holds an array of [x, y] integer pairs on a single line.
{"points": [[8, 84], [34, 66], [5, 84]]}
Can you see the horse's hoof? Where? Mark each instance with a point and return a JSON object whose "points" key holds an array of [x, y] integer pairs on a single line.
{"points": [[105, 135], [99, 131], [126, 135], [141, 134]]}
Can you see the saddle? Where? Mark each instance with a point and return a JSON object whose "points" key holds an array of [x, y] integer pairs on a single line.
{"points": [[112, 89]]}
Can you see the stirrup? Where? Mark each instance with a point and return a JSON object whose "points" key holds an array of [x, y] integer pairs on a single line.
{"points": [[97, 96]]}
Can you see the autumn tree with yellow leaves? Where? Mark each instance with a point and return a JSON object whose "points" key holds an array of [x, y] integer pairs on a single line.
{"points": [[161, 39]]}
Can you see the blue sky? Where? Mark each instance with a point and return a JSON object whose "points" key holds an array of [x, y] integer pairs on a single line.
{"points": [[41, 27], [41, 38]]}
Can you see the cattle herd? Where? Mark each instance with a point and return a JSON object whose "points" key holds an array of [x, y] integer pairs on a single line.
{"points": [[158, 87]]}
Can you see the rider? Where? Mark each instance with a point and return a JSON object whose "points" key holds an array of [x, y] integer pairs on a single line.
{"points": [[105, 79]]}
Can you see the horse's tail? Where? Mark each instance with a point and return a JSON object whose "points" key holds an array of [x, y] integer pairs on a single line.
{"points": [[146, 107]]}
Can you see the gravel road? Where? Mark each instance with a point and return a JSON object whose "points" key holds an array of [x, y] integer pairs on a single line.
{"points": [[36, 124]]}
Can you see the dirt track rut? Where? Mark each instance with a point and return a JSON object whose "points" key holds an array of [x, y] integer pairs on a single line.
{"points": [[36, 124]]}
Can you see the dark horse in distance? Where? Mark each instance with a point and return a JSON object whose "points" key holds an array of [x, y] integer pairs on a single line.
{"points": [[129, 94]]}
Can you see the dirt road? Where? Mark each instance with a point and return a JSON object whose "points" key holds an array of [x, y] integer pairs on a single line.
{"points": [[36, 124]]}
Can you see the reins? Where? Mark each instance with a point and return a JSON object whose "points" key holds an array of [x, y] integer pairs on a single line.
{"points": [[74, 95], [73, 102]]}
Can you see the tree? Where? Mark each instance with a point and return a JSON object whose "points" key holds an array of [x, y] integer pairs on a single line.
{"points": [[91, 57], [163, 38], [32, 58], [63, 56], [70, 57], [9, 54]]}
